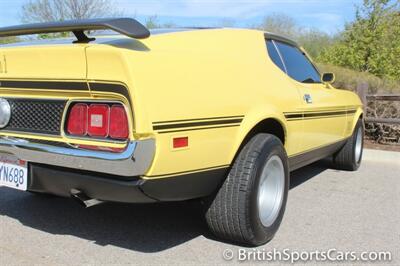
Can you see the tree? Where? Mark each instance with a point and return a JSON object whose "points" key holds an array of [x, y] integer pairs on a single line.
{"points": [[313, 40], [5, 40], [372, 42], [59, 10], [153, 23], [280, 24]]}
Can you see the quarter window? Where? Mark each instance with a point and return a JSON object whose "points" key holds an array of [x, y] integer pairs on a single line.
{"points": [[297, 64]]}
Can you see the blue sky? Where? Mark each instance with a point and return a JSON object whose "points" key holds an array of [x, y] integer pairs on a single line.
{"points": [[326, 15]]}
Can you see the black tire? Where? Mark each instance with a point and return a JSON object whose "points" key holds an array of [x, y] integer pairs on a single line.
{"points": [[233, 213], [346, 158]]}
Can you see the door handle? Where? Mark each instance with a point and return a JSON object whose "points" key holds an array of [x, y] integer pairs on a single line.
{"points": [[307, 98]]}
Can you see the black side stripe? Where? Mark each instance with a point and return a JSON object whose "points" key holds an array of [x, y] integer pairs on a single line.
{"points": [[338, 113], [197, 124], [197, 119], [198, 128], [316, 115], [44, 85], [352, 111], [294, 116]]}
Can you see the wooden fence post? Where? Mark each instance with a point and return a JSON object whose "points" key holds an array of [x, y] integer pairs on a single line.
{"points": [[362, 91]]}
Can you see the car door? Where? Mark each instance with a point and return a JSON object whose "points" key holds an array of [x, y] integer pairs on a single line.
{"points": [[288, 99], [324, 117]]}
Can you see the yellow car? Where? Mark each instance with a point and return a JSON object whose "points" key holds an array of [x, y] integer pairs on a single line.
{"points": [[220, 115]]}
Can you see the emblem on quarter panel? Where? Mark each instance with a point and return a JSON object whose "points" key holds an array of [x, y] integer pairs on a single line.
{"points": [[5, 112]]}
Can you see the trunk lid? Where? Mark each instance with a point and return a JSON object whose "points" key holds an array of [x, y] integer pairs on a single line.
{"points": [[47, 65]]}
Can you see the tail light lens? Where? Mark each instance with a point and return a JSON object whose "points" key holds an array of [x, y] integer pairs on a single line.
{"points": [[98, 120], [118, 123], [77, 120]]}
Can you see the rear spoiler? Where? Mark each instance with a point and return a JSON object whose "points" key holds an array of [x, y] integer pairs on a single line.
{"points": [[126, 26]]}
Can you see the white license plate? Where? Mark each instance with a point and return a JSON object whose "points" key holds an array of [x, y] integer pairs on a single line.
{"points": [[13, 172]]}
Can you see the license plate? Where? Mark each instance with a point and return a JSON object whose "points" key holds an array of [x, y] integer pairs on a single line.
{"points": [[13, 172]]}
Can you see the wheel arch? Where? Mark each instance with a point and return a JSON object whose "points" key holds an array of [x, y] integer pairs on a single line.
{"points": [[269, 125], [272, 124]]}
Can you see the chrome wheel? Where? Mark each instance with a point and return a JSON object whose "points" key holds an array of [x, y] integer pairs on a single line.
{"points": [[271, 190], [358, 146]]}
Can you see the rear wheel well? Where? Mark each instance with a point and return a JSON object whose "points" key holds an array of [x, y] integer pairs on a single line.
{"points": [[270, 126]]}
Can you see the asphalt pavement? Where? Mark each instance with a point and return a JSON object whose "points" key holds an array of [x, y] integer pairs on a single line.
{"points": [[327, 211]]}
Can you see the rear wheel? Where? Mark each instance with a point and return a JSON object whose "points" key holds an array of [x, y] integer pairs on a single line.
{"points": [[350, 155], [250, 205]]}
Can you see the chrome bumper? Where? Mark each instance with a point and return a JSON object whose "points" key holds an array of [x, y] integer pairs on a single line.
{"points": [[134, 161]]}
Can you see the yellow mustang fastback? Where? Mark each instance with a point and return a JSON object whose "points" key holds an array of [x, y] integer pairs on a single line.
{"points": [[221, 115]]}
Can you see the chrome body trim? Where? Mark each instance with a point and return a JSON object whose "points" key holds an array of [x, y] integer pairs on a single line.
{"points": [[134, 161]]}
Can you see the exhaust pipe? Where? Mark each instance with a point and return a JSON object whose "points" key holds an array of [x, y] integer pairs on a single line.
{"points": [[83, 199]]}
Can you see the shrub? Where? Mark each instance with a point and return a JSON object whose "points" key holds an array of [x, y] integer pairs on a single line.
{"points": [[349, 79]]}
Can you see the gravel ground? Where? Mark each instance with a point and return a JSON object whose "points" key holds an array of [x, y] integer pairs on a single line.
{"points": [[327, 209]]}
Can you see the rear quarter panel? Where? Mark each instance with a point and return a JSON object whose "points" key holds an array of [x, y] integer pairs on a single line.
{"points": [[192, 75]]}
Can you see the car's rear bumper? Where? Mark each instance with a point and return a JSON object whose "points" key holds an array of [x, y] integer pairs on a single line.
{"points": [[107, 176], [135, 160], [62, 181]]}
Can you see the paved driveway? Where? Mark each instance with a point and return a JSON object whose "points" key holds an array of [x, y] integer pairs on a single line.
{"points": [[327, 209]]}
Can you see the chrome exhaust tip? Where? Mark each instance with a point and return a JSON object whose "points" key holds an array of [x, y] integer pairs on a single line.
{"points": [[83, 199]]}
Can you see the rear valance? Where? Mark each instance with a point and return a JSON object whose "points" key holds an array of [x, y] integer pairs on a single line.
{"points": [[126, 26]]}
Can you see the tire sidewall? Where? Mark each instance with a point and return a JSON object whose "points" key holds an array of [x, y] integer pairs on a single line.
{"points": [[263, 234], [359, 126]]}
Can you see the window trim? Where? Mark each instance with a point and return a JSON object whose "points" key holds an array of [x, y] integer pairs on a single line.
{"points": [[276, 38], [271, 36], [280, 56]]}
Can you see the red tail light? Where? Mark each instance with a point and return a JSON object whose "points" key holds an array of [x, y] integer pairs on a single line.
{"points": [[118, 123], [98, 115], [77, 121], [98, 120]]}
